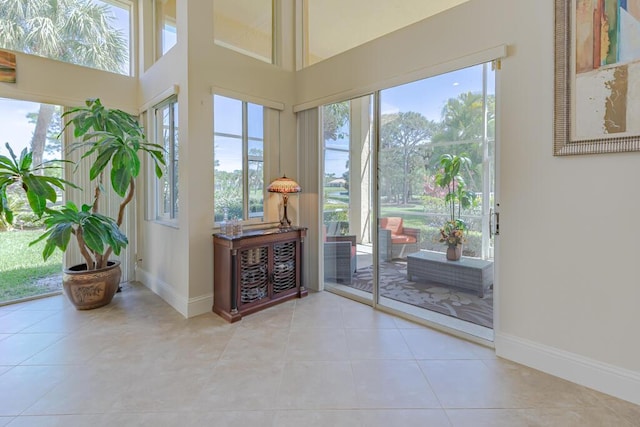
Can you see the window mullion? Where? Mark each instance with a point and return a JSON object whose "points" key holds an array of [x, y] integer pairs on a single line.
{"points": [[172, 148], [245, 160]]}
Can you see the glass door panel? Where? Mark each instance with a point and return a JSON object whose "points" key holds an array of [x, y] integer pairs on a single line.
{"points": [[435, 190], [347, 198]]}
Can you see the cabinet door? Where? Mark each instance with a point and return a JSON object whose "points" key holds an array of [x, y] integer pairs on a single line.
{"points": [[285, 276], [253, 283]]}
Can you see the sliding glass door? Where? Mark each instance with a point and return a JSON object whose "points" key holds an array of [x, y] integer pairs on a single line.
{"points": [[436, 187], [421, 242]]}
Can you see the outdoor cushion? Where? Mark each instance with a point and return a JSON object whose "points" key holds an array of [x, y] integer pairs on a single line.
{"points": [[393, 223], [395, 239]]}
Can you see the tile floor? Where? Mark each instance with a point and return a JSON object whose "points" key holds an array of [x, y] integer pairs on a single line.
{"points": [[320, 361]]}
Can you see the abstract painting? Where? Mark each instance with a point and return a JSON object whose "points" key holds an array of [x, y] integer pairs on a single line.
{"points": [[7, 67], [597, 70]]}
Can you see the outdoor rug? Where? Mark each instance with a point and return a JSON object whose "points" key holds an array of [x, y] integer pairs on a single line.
{"points": [[430, 295]]}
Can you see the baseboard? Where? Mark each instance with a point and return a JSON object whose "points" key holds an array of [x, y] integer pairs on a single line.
{"points": [[609, 379], [190, 307], [200, 305], [164, 290]]}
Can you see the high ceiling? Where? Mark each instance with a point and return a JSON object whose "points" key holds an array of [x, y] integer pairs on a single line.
{"points": [[339, 25]]}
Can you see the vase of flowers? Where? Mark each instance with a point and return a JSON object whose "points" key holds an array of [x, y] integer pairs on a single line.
{"points": [[452, 234], [453, 231]]}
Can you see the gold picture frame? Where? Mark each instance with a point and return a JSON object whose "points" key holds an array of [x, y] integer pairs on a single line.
{"points": [[580, 75], [7, 67]]}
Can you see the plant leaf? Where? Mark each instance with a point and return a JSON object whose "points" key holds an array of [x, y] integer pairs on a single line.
{"points": [[120, 179], [93, 237]]}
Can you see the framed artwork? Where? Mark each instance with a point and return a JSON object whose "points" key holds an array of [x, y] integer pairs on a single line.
{"points": [[7, 67], [597, 76]]}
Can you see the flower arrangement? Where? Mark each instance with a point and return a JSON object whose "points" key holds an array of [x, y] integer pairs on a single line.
{"points": [[452, 233]]}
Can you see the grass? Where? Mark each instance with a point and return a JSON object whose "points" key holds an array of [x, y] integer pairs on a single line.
{"points": [[21, 265]]}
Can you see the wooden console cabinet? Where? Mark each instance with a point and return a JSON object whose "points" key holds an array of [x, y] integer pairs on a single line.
{"points": [[256, 270]]}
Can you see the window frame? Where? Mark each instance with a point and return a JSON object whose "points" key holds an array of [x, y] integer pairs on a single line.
{"points": [[247, 217], [159, 20], [171, 161]]}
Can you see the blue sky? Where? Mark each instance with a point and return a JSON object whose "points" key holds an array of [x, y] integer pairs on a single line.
{"points": [[427, 96], [16, 130]]}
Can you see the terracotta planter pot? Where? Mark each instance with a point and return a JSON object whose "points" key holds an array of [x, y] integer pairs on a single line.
{"points": [[91, 289], [454, 253]]}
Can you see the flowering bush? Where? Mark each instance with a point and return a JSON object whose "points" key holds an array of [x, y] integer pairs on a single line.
{"points": [[452, 233]]}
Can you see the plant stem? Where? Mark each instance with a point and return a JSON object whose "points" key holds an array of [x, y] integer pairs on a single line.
{"points": [[83, 249], [125, 202], [97, 193]]}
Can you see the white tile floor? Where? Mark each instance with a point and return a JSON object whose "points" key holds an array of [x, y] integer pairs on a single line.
{"points": [[320, 361]]}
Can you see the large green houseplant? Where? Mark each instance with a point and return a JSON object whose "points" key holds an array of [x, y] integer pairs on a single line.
{"points": [[112, 140], [38, 187], [457, 198]]}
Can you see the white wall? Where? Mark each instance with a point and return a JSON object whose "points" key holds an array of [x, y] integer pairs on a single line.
{"points": [[178, 262], [567, 268]]}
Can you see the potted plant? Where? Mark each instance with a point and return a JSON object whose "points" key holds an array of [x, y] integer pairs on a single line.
{"points": [[110, 139], [457, 198], [31, 178]]}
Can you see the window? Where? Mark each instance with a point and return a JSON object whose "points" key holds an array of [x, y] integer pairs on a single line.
{"points": [[245, 26], [165, 24], [166, 135], [35, 127], [238, 159], [94, 34]]}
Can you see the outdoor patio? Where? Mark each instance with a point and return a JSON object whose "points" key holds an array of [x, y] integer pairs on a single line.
{"points": [[394, 284]]}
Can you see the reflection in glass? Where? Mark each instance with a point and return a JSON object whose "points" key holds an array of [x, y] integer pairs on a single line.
{"points": [[166, 28]]}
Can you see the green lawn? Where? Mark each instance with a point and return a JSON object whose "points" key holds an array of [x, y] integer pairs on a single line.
{"points": [[21, 265]]}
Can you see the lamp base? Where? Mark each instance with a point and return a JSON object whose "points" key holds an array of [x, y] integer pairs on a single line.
{"points": [[285, 222]]}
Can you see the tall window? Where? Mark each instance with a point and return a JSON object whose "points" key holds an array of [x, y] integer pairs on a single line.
{"points": [[245, 26], [23, 272], [92, 33], [238, 155], [165, 24], [166, 128]]}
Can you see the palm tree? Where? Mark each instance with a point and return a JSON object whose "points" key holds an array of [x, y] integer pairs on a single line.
{"points": [[76, 31]]}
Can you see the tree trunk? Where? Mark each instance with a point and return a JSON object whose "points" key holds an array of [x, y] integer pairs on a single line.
{"points": [[39, 138], [405, 179]]}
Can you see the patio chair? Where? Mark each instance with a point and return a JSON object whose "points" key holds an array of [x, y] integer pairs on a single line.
{"points": [[395, 240], [340, 261]]}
